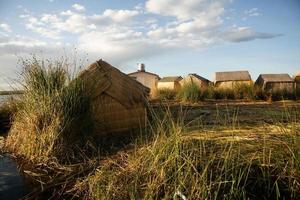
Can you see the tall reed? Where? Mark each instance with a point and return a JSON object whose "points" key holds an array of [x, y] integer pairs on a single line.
{"points": [[166, 94], [53, 113], [190, 92]]}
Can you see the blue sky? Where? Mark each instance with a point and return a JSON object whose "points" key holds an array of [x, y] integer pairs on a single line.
{"points": [[172, 37]]}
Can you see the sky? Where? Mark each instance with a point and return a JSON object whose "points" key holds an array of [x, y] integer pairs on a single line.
{"points": [[171, 37]]}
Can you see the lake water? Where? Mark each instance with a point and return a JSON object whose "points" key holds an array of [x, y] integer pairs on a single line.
{"points": [[12, 183], [4, 98]]}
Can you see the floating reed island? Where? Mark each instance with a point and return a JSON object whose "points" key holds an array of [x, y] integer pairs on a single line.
{"points": [[58, 125]]}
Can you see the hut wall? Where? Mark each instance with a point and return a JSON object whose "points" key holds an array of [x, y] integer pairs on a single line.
{"points": [[195, 80], [278, 86], [177, 86], [166, 85], [147, 80], [297, 80], [259, 82], [112, 117], [169, 85], [230, 84]]}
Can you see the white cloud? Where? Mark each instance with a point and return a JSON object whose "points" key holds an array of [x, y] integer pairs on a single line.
{"points": [[253, 12], [8, 73], [196, 21], [14, 44], [75, 23], [111, 17], [5, 27], [47, 18], [185, 9], [242, 34], [139, 7], [22, 45], [41, 26], [78, 7], [24, 16], [52, 25], [124, 35], [67, 13], [198, 24], [120, 15], [119, 45], [12, 48]]}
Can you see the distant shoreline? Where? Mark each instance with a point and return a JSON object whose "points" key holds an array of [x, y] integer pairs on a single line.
{"points": [[11, 92]]}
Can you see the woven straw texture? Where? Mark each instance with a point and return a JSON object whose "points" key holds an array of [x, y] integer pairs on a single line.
{"points": [[118, 101]]}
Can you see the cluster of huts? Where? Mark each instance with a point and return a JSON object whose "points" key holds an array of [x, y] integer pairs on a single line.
{"points": [[268, 82], [119, 102]]}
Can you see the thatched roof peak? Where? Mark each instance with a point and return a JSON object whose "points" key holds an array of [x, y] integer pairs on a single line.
{"points": [[139, 72], [276, 78], [232, 76], [100, 77], [171, 79], [199, 77], [297, 74]]}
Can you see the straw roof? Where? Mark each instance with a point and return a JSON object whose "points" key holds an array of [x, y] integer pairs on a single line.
{"points": [[233, 76], [199, 77], [297, 74], [139, 71], [100, 77], [170, 79], [296, 77], [275, 78]]}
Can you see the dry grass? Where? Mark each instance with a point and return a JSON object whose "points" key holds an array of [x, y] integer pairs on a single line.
{"points": [[220, 163], [165, 94], [52, 117], [190, 92]]}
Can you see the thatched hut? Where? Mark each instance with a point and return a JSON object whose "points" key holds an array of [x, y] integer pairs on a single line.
{"points": [[297, 80], [146, 78], [118, 101], [195, 78], [232, 78], [275, 82], [169, 82]]}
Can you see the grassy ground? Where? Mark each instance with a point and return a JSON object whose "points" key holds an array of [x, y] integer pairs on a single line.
{"points": [[214, 162], [208, 150], [216, 113]]}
